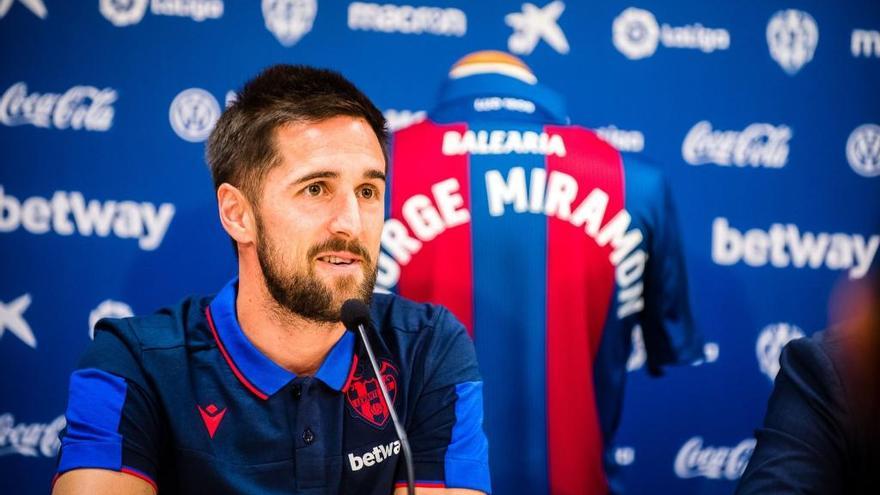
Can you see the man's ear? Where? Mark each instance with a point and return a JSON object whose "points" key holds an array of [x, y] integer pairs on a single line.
{"points": [[236, 214]]}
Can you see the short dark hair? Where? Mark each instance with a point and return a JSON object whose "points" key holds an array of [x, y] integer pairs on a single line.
{"points": [[241, 148]]}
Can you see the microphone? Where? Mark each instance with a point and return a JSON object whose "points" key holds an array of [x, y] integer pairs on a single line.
{"points": [[356, 316]]}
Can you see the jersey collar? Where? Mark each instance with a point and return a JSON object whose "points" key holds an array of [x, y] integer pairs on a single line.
{"points": [[255, 370], [457, 98]]}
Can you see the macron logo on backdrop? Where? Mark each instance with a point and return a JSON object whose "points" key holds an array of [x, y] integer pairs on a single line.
{"points": [[67, 213], [784, 245]]}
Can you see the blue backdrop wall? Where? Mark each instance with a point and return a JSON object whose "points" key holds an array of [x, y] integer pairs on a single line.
{"points": [[763, 114]]}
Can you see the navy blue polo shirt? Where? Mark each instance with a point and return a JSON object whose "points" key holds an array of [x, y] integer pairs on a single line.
{"points": [[183, 400]]}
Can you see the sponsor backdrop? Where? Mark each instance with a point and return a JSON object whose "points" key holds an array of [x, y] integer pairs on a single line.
{"points": [[764, 115]]}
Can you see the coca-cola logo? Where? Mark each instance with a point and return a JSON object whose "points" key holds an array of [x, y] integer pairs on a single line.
{"points": [[30, 440], [757, 145], [80, 107], [694, 460]]}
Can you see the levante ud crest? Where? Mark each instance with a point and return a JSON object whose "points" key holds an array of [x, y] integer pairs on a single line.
{"points": [[364, 396]]}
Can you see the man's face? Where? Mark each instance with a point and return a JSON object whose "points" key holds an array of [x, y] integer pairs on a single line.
{"points": [[319, 216]]}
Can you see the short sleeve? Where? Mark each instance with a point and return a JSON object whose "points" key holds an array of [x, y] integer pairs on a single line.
{"points": [[445, 432], [667, 326], [111, 415]]}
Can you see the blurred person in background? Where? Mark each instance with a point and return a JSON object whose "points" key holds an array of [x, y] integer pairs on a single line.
{"points": [[821, 433]]}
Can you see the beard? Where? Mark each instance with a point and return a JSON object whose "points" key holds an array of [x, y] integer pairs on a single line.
{"points": [[301, 292]]}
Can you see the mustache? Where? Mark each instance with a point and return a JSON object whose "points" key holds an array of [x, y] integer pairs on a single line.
{"points": [[338, 244]]}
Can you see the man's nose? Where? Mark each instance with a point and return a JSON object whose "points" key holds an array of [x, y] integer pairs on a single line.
{"points": [[346, 216]]}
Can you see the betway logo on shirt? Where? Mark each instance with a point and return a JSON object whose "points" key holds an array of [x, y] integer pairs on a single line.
{"points": [[550, 194], [67, 213], [784, 245], [498, 142], [380, 453]]}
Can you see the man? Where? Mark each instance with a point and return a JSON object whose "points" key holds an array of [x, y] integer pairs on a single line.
{"points": [[260, 389], [560, 245], [821, 432]]}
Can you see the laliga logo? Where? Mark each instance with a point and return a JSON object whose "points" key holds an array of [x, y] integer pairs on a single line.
{"points": [[534, 24], [635, 33], [123, 12], [792, 36], [289, 20], [863, 150], [193, 114], [108, 309], [770, 343], [694, 460]]}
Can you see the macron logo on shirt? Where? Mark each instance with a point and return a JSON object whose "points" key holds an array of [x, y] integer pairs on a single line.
{"points": [[375, 456]]}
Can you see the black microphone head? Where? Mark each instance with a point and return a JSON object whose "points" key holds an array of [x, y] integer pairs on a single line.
{"points": [[354, 312]]}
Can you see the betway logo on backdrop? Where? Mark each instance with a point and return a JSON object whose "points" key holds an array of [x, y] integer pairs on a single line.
{"points": [[694, 460], [30, 440], [784, 245], [406, 19], [80, 107], [636, 34], [122, 14], [68, 213], [865, 43], [758, 145]]}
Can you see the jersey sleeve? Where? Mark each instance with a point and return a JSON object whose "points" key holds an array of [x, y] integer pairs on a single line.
{"points": [[667, 325], [445, 432], [111, 414]]}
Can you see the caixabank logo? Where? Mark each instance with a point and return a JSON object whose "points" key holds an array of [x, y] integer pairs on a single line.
{"points": [[637, 34], [12, 320], [37, 7], [122, 13], [533, 24]]}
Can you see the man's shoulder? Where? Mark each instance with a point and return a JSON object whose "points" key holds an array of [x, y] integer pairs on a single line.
{"points": [[391, 311], [170, 327]]}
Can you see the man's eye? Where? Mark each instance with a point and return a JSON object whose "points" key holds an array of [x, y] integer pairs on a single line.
{"points": [[314, 189], [368, 193]]}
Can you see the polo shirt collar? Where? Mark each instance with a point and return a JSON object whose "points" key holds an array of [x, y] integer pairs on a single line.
{"points": [[255, 370]]}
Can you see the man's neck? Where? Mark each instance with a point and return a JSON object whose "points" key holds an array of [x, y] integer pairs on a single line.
{"points": [[296, 344]]}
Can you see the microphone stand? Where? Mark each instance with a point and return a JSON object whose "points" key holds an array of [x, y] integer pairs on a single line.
{"points": [[401, 433]]}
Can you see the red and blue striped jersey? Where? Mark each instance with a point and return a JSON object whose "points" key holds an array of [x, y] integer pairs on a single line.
{"points": [[550, 248]]}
